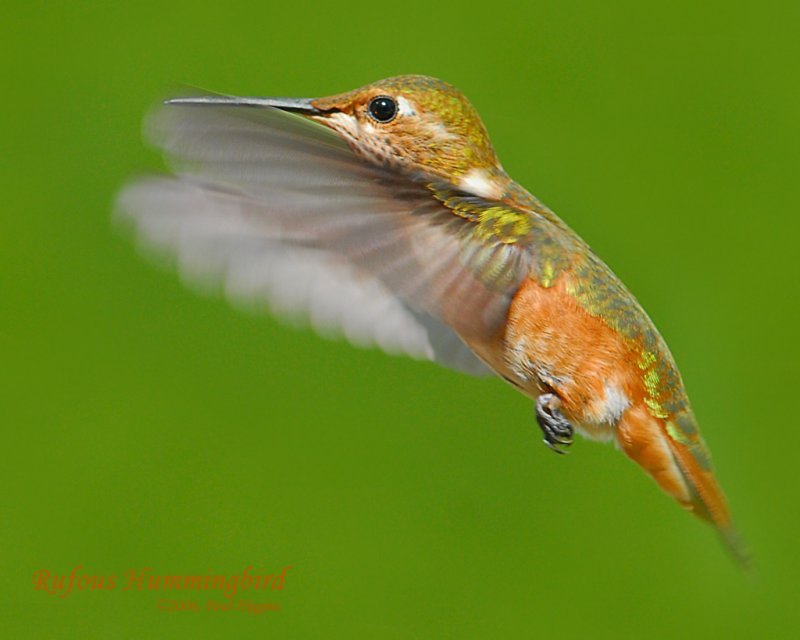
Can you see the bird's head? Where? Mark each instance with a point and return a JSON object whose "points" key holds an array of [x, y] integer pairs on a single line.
{"points": [[415, 123]]}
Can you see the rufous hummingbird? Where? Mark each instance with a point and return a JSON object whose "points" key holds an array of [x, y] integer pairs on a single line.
{"points": [[384, 214]]}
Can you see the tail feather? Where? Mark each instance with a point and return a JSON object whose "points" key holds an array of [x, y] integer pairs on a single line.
{"points": [[679, 462], [706, 499]]}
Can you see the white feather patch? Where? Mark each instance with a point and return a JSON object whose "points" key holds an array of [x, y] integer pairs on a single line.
{"points": [[478, 182], [613, 405], [404, 107]]}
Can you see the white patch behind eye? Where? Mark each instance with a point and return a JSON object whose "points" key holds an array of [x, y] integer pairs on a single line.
{"points": [[404, 107]]}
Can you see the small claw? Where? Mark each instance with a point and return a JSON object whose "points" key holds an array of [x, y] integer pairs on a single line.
{"points": [[553, 438], [556, 428], [554, 447]]}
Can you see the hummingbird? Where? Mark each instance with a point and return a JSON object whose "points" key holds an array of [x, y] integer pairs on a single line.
{"points": [[384, 215]]}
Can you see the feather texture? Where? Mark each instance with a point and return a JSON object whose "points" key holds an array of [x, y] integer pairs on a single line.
{"points": [[280, 211]]}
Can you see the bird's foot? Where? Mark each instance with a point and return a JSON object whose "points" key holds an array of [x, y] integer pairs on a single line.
{"points": [[556, 428]]}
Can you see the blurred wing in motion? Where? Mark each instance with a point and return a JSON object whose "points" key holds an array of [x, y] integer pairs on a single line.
{"points": [[278, 209]]}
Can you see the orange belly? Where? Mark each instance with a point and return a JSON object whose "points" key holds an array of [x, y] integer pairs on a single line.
{"points": [[553, 345]]}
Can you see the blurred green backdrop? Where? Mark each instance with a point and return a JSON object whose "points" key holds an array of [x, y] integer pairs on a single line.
{"points": [[147, 426]]}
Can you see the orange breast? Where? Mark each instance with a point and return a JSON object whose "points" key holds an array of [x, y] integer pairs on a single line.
{"points": [[552, 343]]}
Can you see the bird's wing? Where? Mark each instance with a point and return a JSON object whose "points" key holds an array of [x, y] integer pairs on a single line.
{"points": [[279, 210]]}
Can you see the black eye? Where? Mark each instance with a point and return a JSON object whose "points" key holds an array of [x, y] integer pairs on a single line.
{"points": [[383, 108]]}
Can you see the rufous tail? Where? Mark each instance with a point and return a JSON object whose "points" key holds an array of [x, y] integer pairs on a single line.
{"points": [[681, 465]]}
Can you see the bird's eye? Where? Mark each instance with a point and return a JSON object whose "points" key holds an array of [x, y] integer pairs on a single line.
{"points": [[383, 109]]}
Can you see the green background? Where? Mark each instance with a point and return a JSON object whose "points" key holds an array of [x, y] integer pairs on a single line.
{"points": [[146, 426]]}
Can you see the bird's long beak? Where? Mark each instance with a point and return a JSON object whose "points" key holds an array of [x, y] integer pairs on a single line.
{"points": [[304, 106]]}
